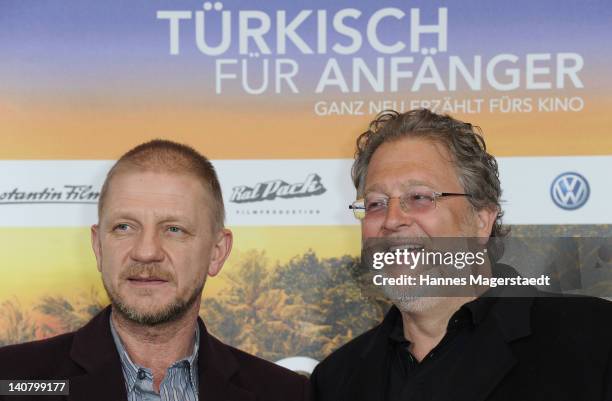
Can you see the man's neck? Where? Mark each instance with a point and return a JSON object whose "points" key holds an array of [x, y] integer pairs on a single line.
{"points": [[157, 347], [426, 328]]}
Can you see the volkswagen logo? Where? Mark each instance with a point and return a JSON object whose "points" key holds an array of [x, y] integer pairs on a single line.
{"points": [[570, 191]]}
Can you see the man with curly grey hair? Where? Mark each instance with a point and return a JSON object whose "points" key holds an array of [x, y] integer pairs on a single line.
{"points": [[420, 175]]}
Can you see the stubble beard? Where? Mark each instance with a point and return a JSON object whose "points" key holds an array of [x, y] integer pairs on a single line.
{"points": [[169, 313], [407, 301], [417, 300]]}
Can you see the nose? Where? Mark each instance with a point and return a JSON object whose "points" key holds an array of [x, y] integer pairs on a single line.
{"points": [[148, 247], [396, 218]]}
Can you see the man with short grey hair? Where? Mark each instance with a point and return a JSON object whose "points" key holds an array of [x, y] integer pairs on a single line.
{"points": [[422, 177], [160, 234]]}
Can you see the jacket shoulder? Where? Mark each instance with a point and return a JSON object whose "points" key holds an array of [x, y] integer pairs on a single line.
{"points": [[577, 316], [268, 380], [337, 367], [39, 359], [352, 349]]}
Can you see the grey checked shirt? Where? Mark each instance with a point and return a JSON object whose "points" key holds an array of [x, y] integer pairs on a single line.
{"points": [[179, 384]]}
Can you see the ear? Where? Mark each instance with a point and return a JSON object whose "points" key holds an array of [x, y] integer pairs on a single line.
{"points": [[96, 245], [485, 218], [220, 251]]}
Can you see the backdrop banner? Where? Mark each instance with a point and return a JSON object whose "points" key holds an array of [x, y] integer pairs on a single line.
{"points": [[276, 93]]}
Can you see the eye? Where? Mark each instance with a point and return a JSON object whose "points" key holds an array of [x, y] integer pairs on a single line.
{"points": [[420, 197], [121, 227], [375, 204], [175, 229]]}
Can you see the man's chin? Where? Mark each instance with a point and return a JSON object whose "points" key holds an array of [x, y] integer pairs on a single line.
{"points": [[152, 311], [415, 304], [147, 316]]}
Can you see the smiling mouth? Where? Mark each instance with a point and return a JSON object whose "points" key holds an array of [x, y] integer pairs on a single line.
{"points": [[408, 247]]}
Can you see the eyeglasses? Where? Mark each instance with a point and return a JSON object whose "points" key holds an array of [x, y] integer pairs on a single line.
{"points": [[416, 201]]}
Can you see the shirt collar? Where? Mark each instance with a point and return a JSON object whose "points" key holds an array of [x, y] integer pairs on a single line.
{"points": [[474, 311], [480, 307], [130, 369]]}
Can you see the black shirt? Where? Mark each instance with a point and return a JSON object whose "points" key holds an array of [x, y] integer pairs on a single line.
{"points": [[409, 379]]}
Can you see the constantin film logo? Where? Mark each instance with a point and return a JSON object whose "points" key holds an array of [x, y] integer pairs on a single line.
{"points": [[570, 191], [68, 194], [255, 195]]}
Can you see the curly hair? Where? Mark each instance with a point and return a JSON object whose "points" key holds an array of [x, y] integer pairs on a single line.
{"points": [[477, 169]]}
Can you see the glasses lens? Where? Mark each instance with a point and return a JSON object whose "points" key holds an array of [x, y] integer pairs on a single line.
{"points": [[358, 208], [375, 204], [418, 200]]}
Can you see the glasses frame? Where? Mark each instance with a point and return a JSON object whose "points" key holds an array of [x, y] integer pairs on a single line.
{"points": [[434, 195]]}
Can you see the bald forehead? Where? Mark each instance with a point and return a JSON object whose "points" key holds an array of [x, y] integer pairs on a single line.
{"points": [[411, 161], [154, 186]]}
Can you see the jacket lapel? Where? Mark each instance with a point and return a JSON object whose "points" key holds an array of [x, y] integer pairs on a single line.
{"points": [[102, 385], [369, 381], [216, 367], [486, 360], [94, 350], [488, 357]]}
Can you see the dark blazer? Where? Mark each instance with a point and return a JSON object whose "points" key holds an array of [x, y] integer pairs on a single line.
{"points": [[532, 348], [89, 359]]}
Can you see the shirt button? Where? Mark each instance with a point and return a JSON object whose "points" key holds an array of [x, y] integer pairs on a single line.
{"points": [[141, 374]]}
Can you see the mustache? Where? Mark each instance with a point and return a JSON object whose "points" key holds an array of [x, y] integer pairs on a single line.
{"points": [[146, 271]]}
